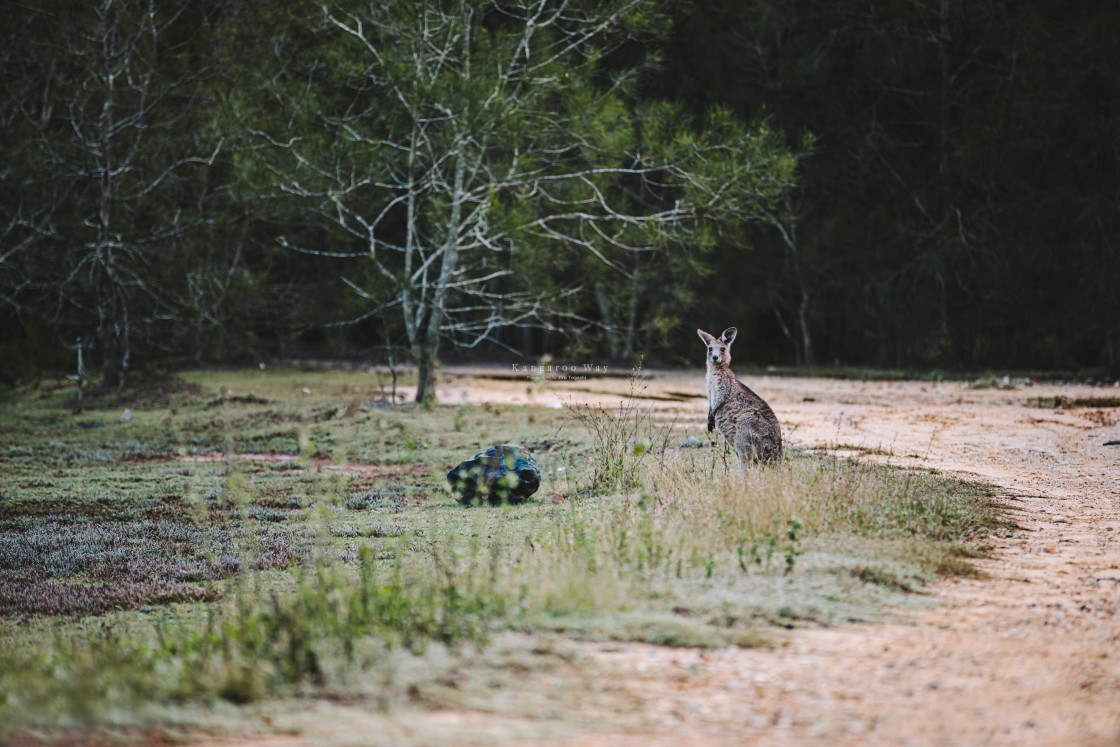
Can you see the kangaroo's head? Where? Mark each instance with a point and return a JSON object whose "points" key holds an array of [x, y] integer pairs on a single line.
{"points": [[719, 348]]}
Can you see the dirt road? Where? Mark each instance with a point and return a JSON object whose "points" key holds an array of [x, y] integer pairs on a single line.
{"points": [[1029, 655]]}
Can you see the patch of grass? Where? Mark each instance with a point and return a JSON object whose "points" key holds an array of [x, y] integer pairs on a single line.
{"points": [[862, 373], [332, 623], [285, 587], [368, 500], [747, 548], [969, 551], [881, 577], [953, 566], [376, 529], [863, 450], [992, 381], [1070, 403], [666, 628], [63, 567], [977, 379]]}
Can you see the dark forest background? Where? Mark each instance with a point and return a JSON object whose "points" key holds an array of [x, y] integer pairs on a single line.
{"points": [[921, 184]]}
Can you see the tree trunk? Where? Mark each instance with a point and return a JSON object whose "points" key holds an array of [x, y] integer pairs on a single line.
{"points": [[110, 356], [108, 289], [805, 355], [606, 318], [632, 317], [425, 373], [428, 333], [944, 169], [789, 335], [803, 327], [527, 346]]}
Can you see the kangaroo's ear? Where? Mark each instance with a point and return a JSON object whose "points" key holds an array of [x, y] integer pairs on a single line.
{"points": [[708, 339], [729, 335]]}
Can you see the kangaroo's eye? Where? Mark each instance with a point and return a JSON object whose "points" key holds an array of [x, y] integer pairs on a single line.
{"points": [[723, 350]]}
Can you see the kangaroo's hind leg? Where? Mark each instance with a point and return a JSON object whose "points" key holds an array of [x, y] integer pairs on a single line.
{"points": [[746, 448]]}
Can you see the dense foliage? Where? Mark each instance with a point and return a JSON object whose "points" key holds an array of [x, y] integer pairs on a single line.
{"points": [[928, 184]]}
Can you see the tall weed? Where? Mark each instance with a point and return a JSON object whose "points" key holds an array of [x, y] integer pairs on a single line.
{"points": [[622, 438]]}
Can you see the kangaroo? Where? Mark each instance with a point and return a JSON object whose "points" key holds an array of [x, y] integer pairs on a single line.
{"points": [[744, 418]]}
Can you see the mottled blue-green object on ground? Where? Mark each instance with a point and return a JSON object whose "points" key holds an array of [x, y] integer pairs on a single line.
{"points": [[505, 473]]}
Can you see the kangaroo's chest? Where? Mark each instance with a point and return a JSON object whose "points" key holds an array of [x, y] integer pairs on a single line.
{"points": [[713, 391], [720, 392], [719, 388]]}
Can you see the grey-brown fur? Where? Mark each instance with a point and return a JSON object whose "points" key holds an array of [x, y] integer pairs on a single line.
{"points": [[744, 418]]}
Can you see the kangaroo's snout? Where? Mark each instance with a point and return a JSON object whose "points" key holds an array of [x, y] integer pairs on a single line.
{"points": [[719, 353]]}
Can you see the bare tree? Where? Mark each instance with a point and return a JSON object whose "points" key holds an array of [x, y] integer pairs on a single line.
{"points": [[786, 223], [109, 160], [472, 133]]}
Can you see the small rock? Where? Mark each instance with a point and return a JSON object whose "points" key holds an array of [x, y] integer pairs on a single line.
{"points": [[126, 415], [504, 473], [691, 442]]}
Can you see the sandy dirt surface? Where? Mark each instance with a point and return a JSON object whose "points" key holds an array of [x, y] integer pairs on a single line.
{"points": [[1028, 655]]}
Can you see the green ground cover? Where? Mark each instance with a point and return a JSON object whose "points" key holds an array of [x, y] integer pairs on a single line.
{"points": [[247, 536]]}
